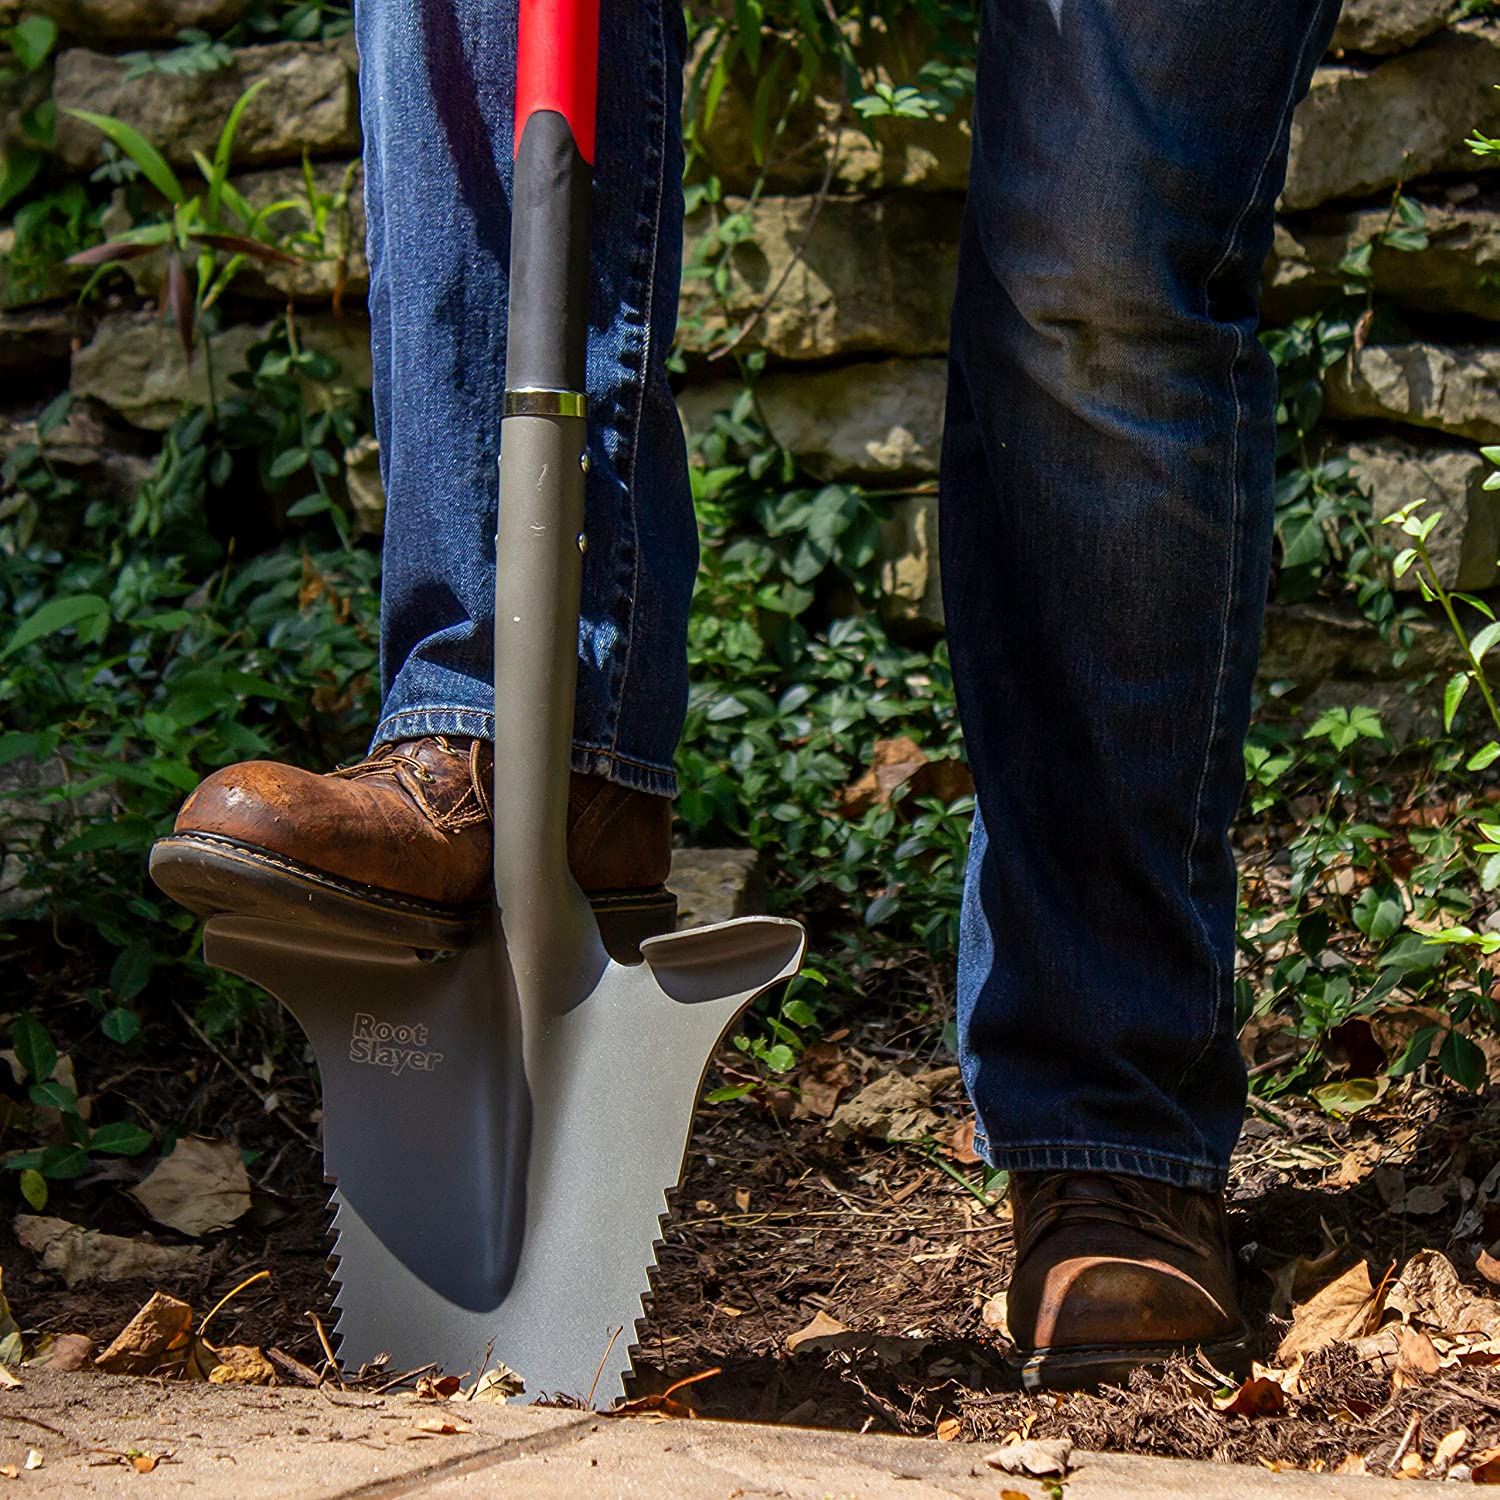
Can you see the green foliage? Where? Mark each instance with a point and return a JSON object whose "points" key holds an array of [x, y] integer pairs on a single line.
{"points": [[217, 231], [196, 53], [794, 680], [67, 1157], [26, 47], [161, 645]]}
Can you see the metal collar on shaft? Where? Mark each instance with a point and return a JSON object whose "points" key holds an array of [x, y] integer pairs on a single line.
{"points": [[539, 401]]}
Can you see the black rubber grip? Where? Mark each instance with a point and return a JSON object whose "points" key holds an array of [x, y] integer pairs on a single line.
{"points": [[549, 259]]}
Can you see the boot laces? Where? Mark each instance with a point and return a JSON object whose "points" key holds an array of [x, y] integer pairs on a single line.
{"points": [[1132, 1206]]}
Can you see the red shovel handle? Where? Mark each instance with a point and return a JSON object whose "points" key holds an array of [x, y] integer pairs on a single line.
{"points": [[557, 66]]}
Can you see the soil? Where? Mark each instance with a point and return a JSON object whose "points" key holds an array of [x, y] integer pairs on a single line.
{"points": [[777, 1223]]}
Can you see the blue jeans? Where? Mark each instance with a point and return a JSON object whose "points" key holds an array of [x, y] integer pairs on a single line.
{"points": [[437, 100], [1106, 505]]}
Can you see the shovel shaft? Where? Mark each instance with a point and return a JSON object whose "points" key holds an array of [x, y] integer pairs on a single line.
{"points": [[540, 537]]}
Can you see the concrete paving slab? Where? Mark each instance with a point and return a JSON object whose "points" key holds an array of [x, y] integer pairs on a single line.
{"points": [[256, 1444]]}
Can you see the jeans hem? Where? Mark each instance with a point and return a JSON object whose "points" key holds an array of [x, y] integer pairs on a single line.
{"points": [[1124, 1161], [479, 724]]}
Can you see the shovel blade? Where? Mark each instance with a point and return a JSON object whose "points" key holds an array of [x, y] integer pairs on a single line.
{"points": [[502, 1149]]}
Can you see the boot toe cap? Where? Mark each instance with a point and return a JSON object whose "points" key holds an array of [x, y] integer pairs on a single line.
{"points": [[1096, 1301], [247, 803]]}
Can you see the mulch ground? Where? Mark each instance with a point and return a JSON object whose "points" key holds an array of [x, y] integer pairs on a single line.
{"points": [[893, 1246]]}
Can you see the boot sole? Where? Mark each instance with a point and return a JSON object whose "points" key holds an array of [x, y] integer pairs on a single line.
{"points": [[211, 875], [1072, 1369]]}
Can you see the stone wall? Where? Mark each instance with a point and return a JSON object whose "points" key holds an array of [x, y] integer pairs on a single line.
{"points": [[855, 334]]}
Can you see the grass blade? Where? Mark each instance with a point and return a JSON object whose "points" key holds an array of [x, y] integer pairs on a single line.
{"points": [[152, 163]]}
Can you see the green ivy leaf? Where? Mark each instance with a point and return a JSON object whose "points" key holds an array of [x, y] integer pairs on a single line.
{"points": [[730, 1091], [32, 41], [1487, 756], [121, 1025], [62, 1163], [1462, 1061], [55, 615], [1453, 695], [34, 1188], [120, 1139], [33, 1048], [1348, 1095], [780, 1058], [1416, 1051], [54, 1095]]}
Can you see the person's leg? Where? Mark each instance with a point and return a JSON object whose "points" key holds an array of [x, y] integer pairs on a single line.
{"points": [[1106, 532], [397, 849], [437, 98]]}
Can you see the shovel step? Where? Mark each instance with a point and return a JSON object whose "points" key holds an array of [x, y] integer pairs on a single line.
{"points": [[212, 875]]}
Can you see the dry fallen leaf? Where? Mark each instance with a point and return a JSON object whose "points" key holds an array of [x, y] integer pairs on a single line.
{"points": [[900, 762], [1357, 1164], [1297, 1280], [961, 1144], [1259, 1396], [157, 1335], [78, 1255], [1488, 1267], [1338, 1311], [893, 1108], [1352, 1463], [143, 1463], [241, 1364], [659, 1406], [437, 1388], [62, 1351], [8, 1382], [1429, 1293], [34, 1459], [200, 1187], [11, 1349], [1422, 1201], [742, 1199], [823, 1074], [821, 1327], [1039, 1457], [9, 1471], [1417, 1358], [443, 1426], [996, 1315], [1450, 1447], [496, 1386], [949, 1429], [1484, 1467], [1411, 1466]]}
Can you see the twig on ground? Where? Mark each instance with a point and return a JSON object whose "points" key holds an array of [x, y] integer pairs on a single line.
{"points": [[401, 1379], [241, 1074]]}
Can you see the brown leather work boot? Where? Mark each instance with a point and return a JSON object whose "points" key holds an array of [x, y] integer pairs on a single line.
{"points": [[397, 849], [1116, 1272]]}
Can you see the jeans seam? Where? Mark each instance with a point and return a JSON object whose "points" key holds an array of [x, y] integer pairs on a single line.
{"points": [[1109, 1160], [1117, 1149], [645, 376], [1232, 568]]}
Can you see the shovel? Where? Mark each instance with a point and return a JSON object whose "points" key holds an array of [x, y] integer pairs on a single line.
{"points": [[501, 1124]]}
